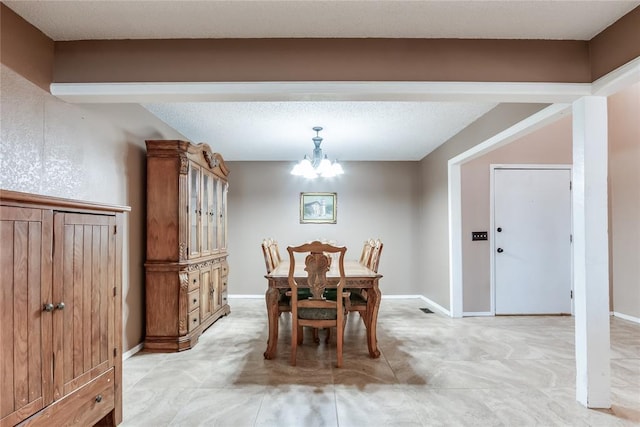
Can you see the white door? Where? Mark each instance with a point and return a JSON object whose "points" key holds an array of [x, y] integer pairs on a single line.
{"points": [[532, 246]]}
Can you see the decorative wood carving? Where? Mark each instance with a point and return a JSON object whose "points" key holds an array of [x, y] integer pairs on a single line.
{"points": [[184, 164]]}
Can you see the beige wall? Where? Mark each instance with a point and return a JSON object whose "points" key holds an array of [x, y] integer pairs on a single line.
{"points": [[58, 149], [433, 265], [375, 199], [551, 144], [624, 200]]}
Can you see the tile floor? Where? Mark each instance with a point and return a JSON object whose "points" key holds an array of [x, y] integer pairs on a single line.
{"points": [[433, 371]]}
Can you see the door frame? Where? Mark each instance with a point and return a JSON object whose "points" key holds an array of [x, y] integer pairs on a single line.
{"points": [[492, 228]]}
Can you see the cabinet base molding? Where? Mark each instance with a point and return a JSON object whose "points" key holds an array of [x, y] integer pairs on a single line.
{"points": [[166, 344]]}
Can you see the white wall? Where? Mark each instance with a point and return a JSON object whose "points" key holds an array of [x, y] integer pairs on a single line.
{"points": [[375, 199]]}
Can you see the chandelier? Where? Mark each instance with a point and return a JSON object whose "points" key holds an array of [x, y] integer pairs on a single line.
{"points": [[317, 165]]}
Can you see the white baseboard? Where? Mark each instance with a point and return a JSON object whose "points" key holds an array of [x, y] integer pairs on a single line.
{"points": [[400, 296], [435, 306], [131, 352], [626, 317], [245, 296], [477, 313]]}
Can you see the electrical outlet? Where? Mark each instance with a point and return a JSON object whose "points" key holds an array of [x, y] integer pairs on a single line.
{"points": [[479, 235]]}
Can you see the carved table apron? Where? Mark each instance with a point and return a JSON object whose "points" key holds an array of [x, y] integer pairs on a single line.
{"points": [[358, 277]]}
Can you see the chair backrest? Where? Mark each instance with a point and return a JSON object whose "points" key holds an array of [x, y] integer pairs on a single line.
{"points": [[275, 252], [317, 264], [374, 260], [266, 251], [367, 249]]}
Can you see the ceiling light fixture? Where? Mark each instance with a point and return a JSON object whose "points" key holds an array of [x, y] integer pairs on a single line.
{"points": [[317, 165]]}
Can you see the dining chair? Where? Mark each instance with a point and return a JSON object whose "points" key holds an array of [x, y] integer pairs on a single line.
{"points": [[275, 253], [365, 256], [266, 252], [374, 260], [318, 310]]}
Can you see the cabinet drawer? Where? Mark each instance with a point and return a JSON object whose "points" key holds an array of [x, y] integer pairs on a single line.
{"points": [[84, 407], [194, 319], [193, 300], [194, 280], [224, 298], [224, 269]]}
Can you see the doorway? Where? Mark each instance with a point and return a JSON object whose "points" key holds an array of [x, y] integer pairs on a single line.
{"points": [[531, 239]]}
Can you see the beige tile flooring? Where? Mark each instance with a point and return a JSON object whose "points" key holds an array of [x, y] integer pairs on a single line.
{"points": [[433, 371]]}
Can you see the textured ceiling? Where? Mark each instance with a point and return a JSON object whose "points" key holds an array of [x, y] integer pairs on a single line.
{"points": [[109, 19], [352, 130], [362, 130]]}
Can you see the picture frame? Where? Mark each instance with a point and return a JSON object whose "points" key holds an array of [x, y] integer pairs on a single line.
{"points": [[318, 208]]}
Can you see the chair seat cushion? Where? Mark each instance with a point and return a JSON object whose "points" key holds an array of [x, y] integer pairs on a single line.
{"points": [[317, 313], [303, 293]]}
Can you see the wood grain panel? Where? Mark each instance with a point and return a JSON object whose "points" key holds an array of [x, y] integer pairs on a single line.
{"points": [[46, 276], [57, 320], [104, 287], [24, 268], [78, 280], [6, 318], [86, 297], [34, 310], [68, 298], [20, 325], [95, 294]]}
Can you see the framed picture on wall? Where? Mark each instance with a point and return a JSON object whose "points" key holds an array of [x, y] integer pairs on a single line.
{"points": [[318, 208]]}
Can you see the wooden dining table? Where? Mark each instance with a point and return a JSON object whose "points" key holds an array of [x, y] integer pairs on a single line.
{"points": [[358, 278]]}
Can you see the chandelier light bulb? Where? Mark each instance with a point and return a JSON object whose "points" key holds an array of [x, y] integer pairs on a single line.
{"points": [[319, 164]]}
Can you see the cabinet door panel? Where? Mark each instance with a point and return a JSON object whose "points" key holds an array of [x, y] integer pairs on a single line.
{"points": [[206, 293], [84, 273], [214, 217], [195, 210], [25, 353]]}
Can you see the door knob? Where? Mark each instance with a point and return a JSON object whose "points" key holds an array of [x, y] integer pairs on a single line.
{"points": [[500, 250], [60, 306], [47, 307]]}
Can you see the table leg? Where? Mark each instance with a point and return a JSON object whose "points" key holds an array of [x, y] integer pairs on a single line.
{"points": [[371, 320], [271, 297]]}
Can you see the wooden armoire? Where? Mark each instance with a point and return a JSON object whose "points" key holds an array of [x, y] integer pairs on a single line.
{"points": [[186, 266], [60, 311]]}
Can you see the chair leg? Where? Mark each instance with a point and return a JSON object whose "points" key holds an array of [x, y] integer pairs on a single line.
{"points": [[300, 335], [326, 340], [339, 338], [294, 343], [316, 338]]}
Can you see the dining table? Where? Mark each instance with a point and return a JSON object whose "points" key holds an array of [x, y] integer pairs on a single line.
{"points": [[358, 279]]}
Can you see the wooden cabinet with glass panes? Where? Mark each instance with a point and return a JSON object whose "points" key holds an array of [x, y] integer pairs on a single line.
{"points": [[186, 265]]}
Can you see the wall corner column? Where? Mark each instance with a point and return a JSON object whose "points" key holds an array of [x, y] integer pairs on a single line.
{"points": [[590, 252]]}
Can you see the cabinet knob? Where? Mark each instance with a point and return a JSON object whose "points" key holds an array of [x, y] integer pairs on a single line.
{"points": [[47, 307], [195, 300], [60, 306], [99, 398]]}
